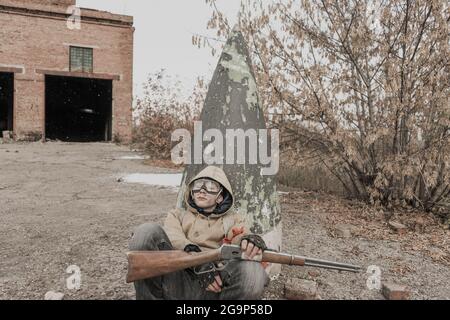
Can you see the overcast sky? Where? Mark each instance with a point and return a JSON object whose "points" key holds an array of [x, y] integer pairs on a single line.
{"points": [[163, 37]]}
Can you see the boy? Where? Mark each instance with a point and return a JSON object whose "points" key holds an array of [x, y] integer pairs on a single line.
{"points": [[208, 222]]}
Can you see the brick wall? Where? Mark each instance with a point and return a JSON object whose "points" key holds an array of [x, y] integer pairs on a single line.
{"points": [[32, 42], [49, 2]]}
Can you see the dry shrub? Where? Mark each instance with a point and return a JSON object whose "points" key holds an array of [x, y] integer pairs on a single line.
{"points": [[361, 87], [162, 110]]}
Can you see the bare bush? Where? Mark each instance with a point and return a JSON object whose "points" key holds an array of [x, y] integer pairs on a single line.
{"points": [[361, 87], [162, 110]]}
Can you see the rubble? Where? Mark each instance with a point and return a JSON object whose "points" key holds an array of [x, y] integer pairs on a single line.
{"points": [[343, 231], [300, 289], [52, 295], [398, 227], [392, 291]]}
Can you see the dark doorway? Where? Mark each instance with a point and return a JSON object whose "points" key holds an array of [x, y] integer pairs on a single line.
{"points": [[78, 109], [6, 102]]}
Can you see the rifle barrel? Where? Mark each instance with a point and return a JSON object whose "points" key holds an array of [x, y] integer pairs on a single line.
{"points": [[283, 258], [331, 265], [324, 266]]}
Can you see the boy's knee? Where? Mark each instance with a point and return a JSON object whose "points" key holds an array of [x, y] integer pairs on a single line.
{"points": [[253, 278], [147, 236]]}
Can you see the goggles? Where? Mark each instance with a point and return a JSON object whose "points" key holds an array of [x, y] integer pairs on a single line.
{"points": [[210, 186]]}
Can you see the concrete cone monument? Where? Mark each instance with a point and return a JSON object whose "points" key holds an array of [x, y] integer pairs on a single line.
{"points": [[232, 103]]}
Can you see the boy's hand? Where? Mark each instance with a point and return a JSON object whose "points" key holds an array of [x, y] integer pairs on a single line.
{"points": [[250, 250], [252, 245], [211, 280], [216, 286], [192, 248]]}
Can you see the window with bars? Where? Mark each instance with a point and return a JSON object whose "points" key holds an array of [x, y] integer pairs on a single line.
{"points": [[81, 59]]}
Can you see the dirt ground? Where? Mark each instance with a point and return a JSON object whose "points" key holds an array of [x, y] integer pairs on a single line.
{"points": [[64, 204]]}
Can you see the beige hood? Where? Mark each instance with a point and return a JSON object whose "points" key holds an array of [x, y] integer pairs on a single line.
{"points": [[218, 175]]}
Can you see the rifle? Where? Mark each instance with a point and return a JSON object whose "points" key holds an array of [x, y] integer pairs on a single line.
{"points": [[148, 264]]}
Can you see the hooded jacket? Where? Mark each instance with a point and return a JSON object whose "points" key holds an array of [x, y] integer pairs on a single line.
{"points": [[208, 231]]}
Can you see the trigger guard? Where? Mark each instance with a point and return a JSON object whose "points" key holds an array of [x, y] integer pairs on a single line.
{"points": [[214, 268]]}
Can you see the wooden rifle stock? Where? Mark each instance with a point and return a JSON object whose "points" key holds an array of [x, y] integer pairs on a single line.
{"points": [[148, 264]]}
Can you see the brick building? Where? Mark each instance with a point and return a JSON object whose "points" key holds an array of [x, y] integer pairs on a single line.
{"points": [[65, 78]]}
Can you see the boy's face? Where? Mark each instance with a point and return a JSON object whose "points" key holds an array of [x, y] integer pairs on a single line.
{"points": [[206, 194]]}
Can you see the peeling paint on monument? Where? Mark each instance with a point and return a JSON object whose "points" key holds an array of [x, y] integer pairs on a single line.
{"points": [[232, 102]]}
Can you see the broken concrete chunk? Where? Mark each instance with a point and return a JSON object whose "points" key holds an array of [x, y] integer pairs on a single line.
{"points": [[392, 291], [398, 227], [52, 295], [300, 289], [419, 224], [314, 273], [343, 231], [7, 136]]}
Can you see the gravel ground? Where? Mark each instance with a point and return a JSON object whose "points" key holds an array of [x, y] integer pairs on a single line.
{"points": [[311, 220], [63, 204]]}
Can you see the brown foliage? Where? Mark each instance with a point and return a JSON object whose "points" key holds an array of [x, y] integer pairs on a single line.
{"points": [[162, 110], [361, 87]]}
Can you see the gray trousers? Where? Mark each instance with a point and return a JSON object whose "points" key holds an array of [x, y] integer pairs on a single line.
{"points": [[242, 280]]}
